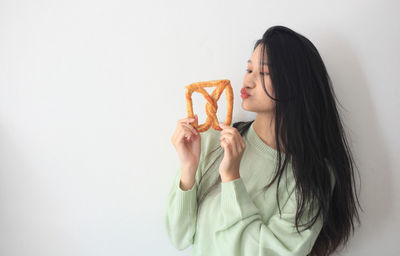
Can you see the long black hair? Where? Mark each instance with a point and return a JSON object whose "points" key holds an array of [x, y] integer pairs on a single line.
{"points": [[311, 133]]}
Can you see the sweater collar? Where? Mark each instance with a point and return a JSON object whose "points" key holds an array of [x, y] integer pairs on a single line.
{"points": [[260, 145]]}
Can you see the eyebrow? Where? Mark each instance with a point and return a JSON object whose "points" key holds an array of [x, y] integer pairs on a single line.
{"points": [[264, 63]]}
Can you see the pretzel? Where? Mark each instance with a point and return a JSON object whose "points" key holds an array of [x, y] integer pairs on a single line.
{"points": [[211, 106]]}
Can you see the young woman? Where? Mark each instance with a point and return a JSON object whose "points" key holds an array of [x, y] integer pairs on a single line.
{"points": [[282, 184]]}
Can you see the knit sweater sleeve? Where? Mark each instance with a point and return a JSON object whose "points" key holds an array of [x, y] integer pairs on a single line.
{"points": [[181, 206], [241, 230]]}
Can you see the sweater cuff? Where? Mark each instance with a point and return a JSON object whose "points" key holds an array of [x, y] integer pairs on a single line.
{"points": [[186, 199], [236, 203]]}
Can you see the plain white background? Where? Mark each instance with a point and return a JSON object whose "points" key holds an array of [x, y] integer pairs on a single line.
{"points": [[91, 91]]}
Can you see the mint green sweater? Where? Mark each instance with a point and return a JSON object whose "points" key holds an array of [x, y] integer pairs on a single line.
{"points": [[236, 218]]}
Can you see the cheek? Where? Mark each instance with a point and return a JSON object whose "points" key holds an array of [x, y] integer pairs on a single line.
{"points": [[266, 101], [263, 97], [268, 87]]}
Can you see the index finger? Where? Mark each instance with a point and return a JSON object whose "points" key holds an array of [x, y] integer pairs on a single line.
{"points": [[187, 119], [227, 127]]}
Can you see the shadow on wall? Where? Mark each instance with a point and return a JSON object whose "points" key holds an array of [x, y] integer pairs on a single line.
{"points": [[365, 138]]}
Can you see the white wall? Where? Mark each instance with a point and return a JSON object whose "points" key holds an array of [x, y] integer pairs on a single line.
{"points": [[90, 93]]}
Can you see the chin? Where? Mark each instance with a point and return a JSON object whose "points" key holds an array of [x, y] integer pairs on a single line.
{"points": [[245, 107]]}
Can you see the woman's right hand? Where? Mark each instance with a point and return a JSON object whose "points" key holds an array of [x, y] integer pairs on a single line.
{"points": [[187, 142]]}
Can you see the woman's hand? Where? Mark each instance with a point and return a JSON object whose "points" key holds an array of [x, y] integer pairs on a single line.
{"points": [[187, 142], [234, 146]]}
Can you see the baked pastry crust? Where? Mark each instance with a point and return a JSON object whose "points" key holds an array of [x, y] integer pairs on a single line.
{"points": [[211, 105]]}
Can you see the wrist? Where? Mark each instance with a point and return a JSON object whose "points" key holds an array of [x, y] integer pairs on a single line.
{"points": [[230, 177], [188, 178], [186, 184], [190, 167]]}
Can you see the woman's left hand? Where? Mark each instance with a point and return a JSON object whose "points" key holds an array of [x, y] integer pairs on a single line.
{"points": [[234, 146]]}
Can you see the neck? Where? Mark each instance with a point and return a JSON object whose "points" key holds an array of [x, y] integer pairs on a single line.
{"points": [[264, 126]]}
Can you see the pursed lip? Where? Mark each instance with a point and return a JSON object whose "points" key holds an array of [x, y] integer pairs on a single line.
{"points": [[244, 92]]}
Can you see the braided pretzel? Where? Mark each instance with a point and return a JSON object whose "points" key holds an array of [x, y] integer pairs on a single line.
{"points": [[211, 106]]}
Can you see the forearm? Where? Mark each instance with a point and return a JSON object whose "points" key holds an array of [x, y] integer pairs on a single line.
{"points": [[188, 177]]}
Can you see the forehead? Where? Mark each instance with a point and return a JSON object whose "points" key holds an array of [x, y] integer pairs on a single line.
{"points": [[256, 56]]}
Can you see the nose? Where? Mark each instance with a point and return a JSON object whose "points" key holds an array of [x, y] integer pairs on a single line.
{"points": [[249, 82]]}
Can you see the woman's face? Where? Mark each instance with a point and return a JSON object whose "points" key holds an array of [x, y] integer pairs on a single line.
{"points": [[258, 101]]}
